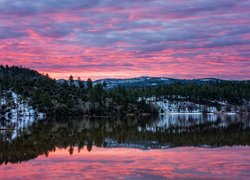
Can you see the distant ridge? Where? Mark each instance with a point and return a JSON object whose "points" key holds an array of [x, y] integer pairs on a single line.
{"points": [[147, 81]]}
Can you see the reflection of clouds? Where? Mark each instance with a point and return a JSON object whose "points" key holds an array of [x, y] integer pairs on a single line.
{"points": [[232, 163]]}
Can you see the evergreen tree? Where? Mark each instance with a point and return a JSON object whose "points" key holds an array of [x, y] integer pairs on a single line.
{"points": [[71, 80], [89, 84]]}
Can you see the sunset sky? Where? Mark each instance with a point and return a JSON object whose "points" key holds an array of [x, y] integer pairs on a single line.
{"points": [[127, 38]]}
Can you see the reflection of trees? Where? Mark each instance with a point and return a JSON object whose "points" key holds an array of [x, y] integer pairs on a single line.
{"points": [[45, 136]]}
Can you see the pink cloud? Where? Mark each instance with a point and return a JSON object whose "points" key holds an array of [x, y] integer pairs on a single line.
{"points": [[156, 38]]}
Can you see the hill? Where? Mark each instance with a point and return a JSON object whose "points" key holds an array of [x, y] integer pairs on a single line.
{"points": [[44, 94], [34, 93]]}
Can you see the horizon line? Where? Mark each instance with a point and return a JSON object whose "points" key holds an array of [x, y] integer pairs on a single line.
{"points": [[121, 77]]}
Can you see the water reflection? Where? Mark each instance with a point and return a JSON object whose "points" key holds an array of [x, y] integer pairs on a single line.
{"points": [[192, 119], [11, 128], [22, 141], [177, 163]]}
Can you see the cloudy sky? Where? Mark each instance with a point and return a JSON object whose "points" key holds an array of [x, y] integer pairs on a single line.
{"points": [[127, 38]]}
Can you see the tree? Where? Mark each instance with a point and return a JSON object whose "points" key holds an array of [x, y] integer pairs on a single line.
{"points": [[71, 80], [89, 84], [80, 83], [104, 84]]}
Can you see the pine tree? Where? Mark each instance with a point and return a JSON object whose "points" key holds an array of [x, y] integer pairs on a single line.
{"points": [[89, 84]]}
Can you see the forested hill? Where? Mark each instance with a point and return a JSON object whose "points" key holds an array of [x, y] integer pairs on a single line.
{"points": [[46, 95], [234, 92], [147, 81], [77, 97]]}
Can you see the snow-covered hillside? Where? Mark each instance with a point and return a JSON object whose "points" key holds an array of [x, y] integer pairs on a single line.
{"points": [[14, 107], [179, 106], [184, 106], [167, 106], [17, 114]]}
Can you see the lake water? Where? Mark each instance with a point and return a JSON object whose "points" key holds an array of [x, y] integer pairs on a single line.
{"points": [[174, 146]]}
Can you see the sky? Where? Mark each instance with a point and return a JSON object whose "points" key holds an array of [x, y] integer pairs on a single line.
{"points": [[128, 38]]}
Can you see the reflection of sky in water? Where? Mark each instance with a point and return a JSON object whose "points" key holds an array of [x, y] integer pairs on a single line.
{"points": [[227, 162], [125, 163]]}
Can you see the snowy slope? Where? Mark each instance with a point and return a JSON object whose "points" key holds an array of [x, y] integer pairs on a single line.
{"points": [[15, 107], [179, 106], [17, 114]]}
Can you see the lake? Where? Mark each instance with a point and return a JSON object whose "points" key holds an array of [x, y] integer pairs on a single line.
{"points": [[173, 146]]}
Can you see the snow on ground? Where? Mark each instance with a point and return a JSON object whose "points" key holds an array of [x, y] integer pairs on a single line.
{"points": [[17, 113], [181, 106], [17, 107]]}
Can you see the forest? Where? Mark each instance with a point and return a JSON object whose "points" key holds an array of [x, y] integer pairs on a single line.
{"points": [[234, 92], [68, 98], [77, 97]]}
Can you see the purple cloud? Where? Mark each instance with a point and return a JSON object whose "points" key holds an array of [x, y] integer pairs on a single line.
{"points": [[150, 36]]}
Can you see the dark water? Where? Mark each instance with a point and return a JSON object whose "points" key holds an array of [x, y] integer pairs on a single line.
{"points": [[171, 146]]}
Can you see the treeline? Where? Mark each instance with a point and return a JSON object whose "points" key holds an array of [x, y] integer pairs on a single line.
{"points": [[84, 98], [233, 92], [71, 97]]}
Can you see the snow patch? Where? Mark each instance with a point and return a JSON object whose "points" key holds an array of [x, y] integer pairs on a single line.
{"points": [[14, 107]]}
